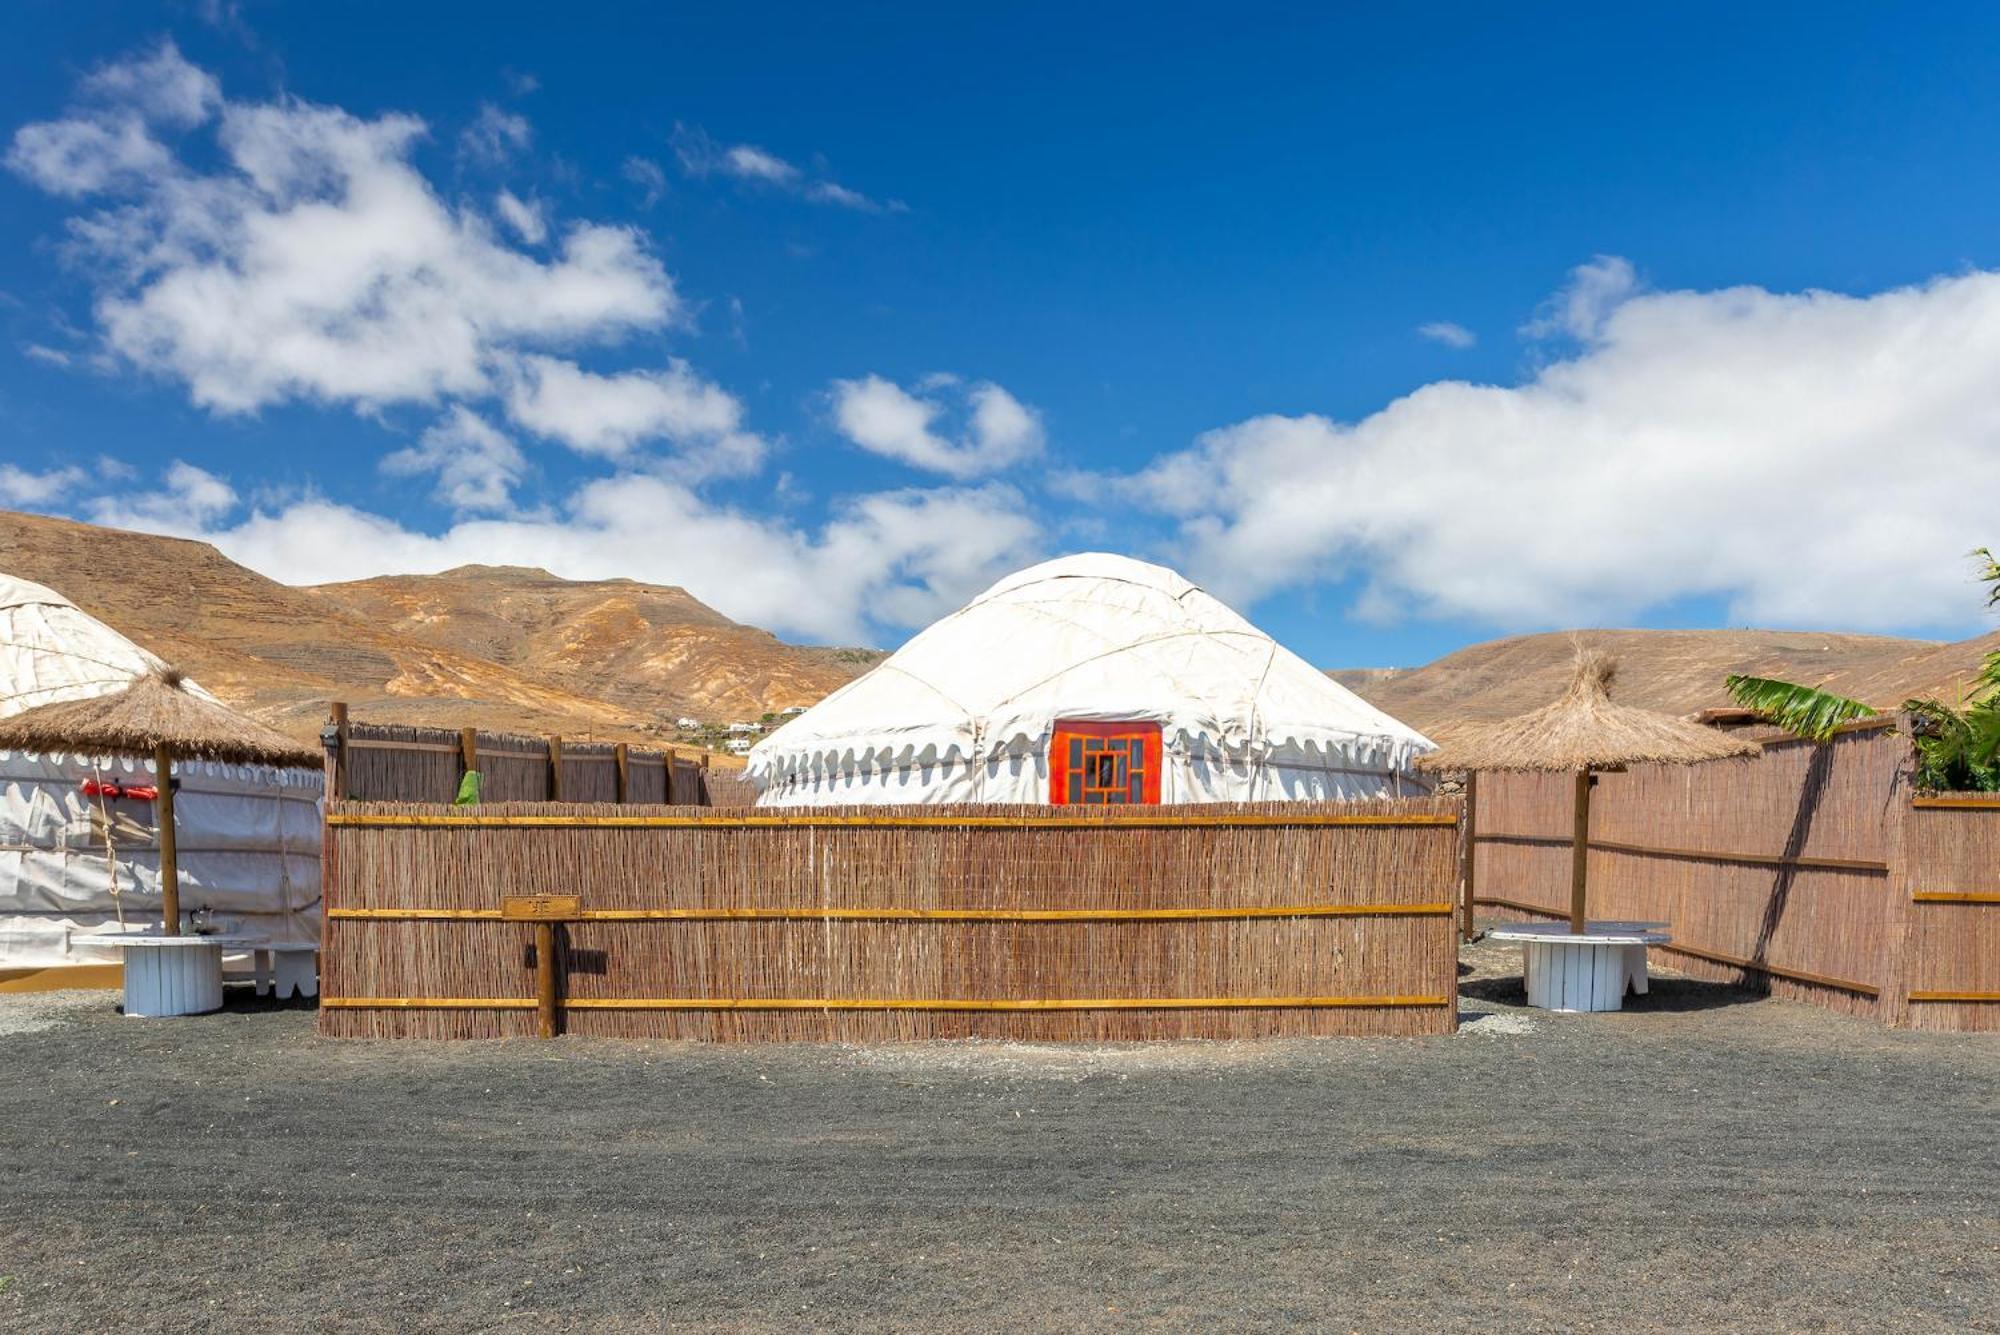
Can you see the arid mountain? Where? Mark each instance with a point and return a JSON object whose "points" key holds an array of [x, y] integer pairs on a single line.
{"points": [[645, 647], [1679, 671], [494, 648]]}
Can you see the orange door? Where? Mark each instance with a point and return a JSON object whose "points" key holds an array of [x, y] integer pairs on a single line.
{"points": [[1105, 764]]}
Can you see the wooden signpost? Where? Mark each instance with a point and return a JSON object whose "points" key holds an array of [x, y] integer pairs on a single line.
{"points": [[544, 911]]}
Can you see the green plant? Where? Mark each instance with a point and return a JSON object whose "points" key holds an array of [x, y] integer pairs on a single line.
{"points": [[1958, 747], [1800, 710]]}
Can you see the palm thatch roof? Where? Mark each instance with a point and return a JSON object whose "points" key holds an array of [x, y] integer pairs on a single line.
{"points": [[1583, 730], [156, 710]]}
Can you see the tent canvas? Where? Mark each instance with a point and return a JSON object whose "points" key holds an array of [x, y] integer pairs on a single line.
{"points": [[967, 711], [71, 863]]}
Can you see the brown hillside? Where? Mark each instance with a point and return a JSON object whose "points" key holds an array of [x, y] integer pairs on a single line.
{"points": [[652, 649], [1678, 671], [472, 655]]}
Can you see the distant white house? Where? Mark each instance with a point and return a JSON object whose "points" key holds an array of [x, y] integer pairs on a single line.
{"points": [[739, 746], [687, 724], [791, 711], [745, 729]]}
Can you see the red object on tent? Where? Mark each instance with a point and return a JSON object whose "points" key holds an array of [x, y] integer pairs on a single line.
{"points": [[138, 792]]}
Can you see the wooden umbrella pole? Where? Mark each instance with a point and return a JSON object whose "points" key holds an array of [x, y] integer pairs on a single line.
{"points": [[1579, 857], [170, 874]]}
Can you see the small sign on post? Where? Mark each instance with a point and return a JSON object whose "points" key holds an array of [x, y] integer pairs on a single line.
{"points": [[545, 911], [541, 908]]}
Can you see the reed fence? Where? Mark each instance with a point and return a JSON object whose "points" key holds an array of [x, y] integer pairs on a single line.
{"points": [[861, 924], [383, 762], [1811, 871]]}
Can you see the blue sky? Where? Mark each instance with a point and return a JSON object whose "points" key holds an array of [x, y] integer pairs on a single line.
{"points": [[1399, 329]]}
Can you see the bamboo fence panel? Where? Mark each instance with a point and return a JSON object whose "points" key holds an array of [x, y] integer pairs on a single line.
{"points": [[395, 763], [1954, 924], [731, 788], [1771, 871], [1323, 912]]}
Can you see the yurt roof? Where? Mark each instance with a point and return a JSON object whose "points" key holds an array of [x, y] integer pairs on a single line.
{"points": [[156, 711], [1093, 636], [51, 650], [1585, 729]]}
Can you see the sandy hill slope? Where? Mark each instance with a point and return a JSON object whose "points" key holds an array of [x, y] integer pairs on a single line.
{"points": [[503, 649], [1678, 671], [645, 647]]}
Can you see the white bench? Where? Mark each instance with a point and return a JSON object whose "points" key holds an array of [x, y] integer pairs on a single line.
{"points": [[1591, 970]]}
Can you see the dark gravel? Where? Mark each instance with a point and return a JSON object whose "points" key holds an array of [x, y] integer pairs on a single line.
{"points": [[1709, 1160]]}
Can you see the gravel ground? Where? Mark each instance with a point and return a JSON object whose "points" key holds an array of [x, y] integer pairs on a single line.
{"points": [[1705, 1160]]}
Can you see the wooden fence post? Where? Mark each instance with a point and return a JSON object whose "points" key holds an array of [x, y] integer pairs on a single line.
{"points": [[1579, 862], [545, 978], [468, 754], [622, 783], [555, 769], [672, 761], [1471, 851], [336, 781]]}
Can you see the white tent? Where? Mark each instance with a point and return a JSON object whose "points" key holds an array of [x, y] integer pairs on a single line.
{"points": [[1091, 678], [71, 863]]}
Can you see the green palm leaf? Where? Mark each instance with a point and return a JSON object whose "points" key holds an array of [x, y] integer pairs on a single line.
{"points": [[1803, 711]]}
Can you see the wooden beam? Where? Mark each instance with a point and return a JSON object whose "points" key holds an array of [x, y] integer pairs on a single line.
{"points": [[622, 786], [803, 914], [170, 871], [1471, 852], [1247, 820], [1956, 897], [884, 1003], [1974, 998], [547, 1005], [336, 779], [1957, 802], [1691, 854], [1579, 860], [555, 769]]}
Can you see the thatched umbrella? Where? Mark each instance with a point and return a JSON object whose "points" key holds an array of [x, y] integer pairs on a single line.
{"points": [[157, 716], [1581, 732]]}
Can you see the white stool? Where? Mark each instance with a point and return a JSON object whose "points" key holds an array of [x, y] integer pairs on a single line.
{"points": [[294, 967]]}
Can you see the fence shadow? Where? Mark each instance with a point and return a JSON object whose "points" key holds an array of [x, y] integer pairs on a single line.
{"points": [[1667, 995]]}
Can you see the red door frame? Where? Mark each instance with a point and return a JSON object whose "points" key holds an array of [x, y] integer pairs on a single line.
{"points": [[1148, 735]]}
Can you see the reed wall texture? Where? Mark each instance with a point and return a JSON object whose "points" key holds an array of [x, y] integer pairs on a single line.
{"points": [[380, 762], [1799, 871], [856, 924]]}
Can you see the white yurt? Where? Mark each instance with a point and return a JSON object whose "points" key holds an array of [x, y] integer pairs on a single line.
{"points": [[79, 854], [1091, 679]]}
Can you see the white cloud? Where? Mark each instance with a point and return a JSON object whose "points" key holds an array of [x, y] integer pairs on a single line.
{"points": [[1586, 302], [895, 558], [700, 155], [495, 135], [1450, 334], [192, 499], [1807, 458], [83, 155], [611, 415], [649, 177], [883, 418], [164, 86], [316, 263], [476, 465], [754, 164], [18, 486], [524, 216]]}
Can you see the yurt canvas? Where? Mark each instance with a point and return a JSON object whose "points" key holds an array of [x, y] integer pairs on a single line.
{"points": [[1096, 680], [79, 849]]}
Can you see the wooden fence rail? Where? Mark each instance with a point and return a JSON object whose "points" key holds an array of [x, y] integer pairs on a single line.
{"points": [[856, 924]]}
